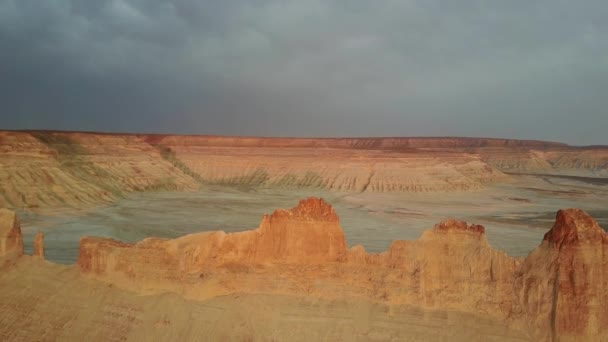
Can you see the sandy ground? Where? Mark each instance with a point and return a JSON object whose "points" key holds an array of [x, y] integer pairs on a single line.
{"points": [[50, 302]]}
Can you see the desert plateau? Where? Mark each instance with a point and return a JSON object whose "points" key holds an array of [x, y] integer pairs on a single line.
{"points": [[132, 237]]}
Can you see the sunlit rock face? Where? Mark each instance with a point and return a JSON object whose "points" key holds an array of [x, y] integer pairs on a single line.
{"points": [[307, 233], [11, 240], [558, 292], [561, 287], [39, 245]]}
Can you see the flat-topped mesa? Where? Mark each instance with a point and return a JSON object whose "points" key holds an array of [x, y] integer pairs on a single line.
{"points": [[575, 227], [11, 239]]}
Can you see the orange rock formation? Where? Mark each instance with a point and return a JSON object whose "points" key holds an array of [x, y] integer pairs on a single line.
{"points": [[39, 245], [557, 292], [11, 240], [562, 287]]}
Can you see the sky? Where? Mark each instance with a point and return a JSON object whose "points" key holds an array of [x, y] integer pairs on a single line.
{"points": [[532, 69]]}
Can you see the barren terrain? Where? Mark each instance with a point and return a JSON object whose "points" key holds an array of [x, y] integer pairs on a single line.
{"points": [[149, 192]]}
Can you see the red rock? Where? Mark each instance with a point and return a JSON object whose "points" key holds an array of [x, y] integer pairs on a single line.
{"points": [[563, 284], [558, 292], [308, 233], [575, 226]]}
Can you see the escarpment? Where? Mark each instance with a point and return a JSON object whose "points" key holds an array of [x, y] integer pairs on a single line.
{"points": [[557, 293], [42, 169]]}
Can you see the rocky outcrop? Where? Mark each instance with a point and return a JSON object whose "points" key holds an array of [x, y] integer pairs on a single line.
{"points": [[454, 266], [561, 288], [310, 233], [556, 293], [11, 239], [39, 245], [41, 169]]}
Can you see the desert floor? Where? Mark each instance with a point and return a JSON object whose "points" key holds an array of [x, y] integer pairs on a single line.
{"points": [[515, 214]]}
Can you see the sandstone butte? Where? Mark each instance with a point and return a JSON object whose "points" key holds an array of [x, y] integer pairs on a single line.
{"points": [[559, 292], [43, 169]]}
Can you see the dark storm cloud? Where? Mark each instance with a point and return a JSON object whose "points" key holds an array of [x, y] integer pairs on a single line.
{"points": [[525, 69]]}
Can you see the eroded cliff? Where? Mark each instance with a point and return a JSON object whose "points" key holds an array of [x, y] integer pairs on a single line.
{"points": [[556, 293], [75, 169], [562, 285]]}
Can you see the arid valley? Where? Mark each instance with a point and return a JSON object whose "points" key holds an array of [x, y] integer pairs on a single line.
{"points": [[167, 237]]}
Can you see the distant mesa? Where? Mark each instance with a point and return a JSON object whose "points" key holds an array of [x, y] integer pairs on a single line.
{"points": [[50, 169]]}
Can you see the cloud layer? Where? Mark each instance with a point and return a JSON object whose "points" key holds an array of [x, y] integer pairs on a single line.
{"points": [[522, 69]]}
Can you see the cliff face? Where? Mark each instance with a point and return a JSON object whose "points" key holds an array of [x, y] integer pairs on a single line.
{"points": [[558, 292], [561, 287], [11, 240], [310, 233], [72, 169], [591, 162], [40, 170], [453, 266]]}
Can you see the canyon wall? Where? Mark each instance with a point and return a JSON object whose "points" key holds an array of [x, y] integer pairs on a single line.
{"points": [[40, 169], [556, 293]]}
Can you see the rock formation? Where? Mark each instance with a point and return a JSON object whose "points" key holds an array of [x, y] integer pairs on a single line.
{"points": [[556, 293], [74, 169], [309, 233], [39, 245], [562, 285], [11, 240]]}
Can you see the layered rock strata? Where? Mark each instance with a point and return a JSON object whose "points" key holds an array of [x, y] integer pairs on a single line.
{"points": [[75, 169], [557, 293]]}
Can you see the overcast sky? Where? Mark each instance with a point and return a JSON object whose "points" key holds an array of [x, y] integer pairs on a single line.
{"points": [[519, 69]]}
